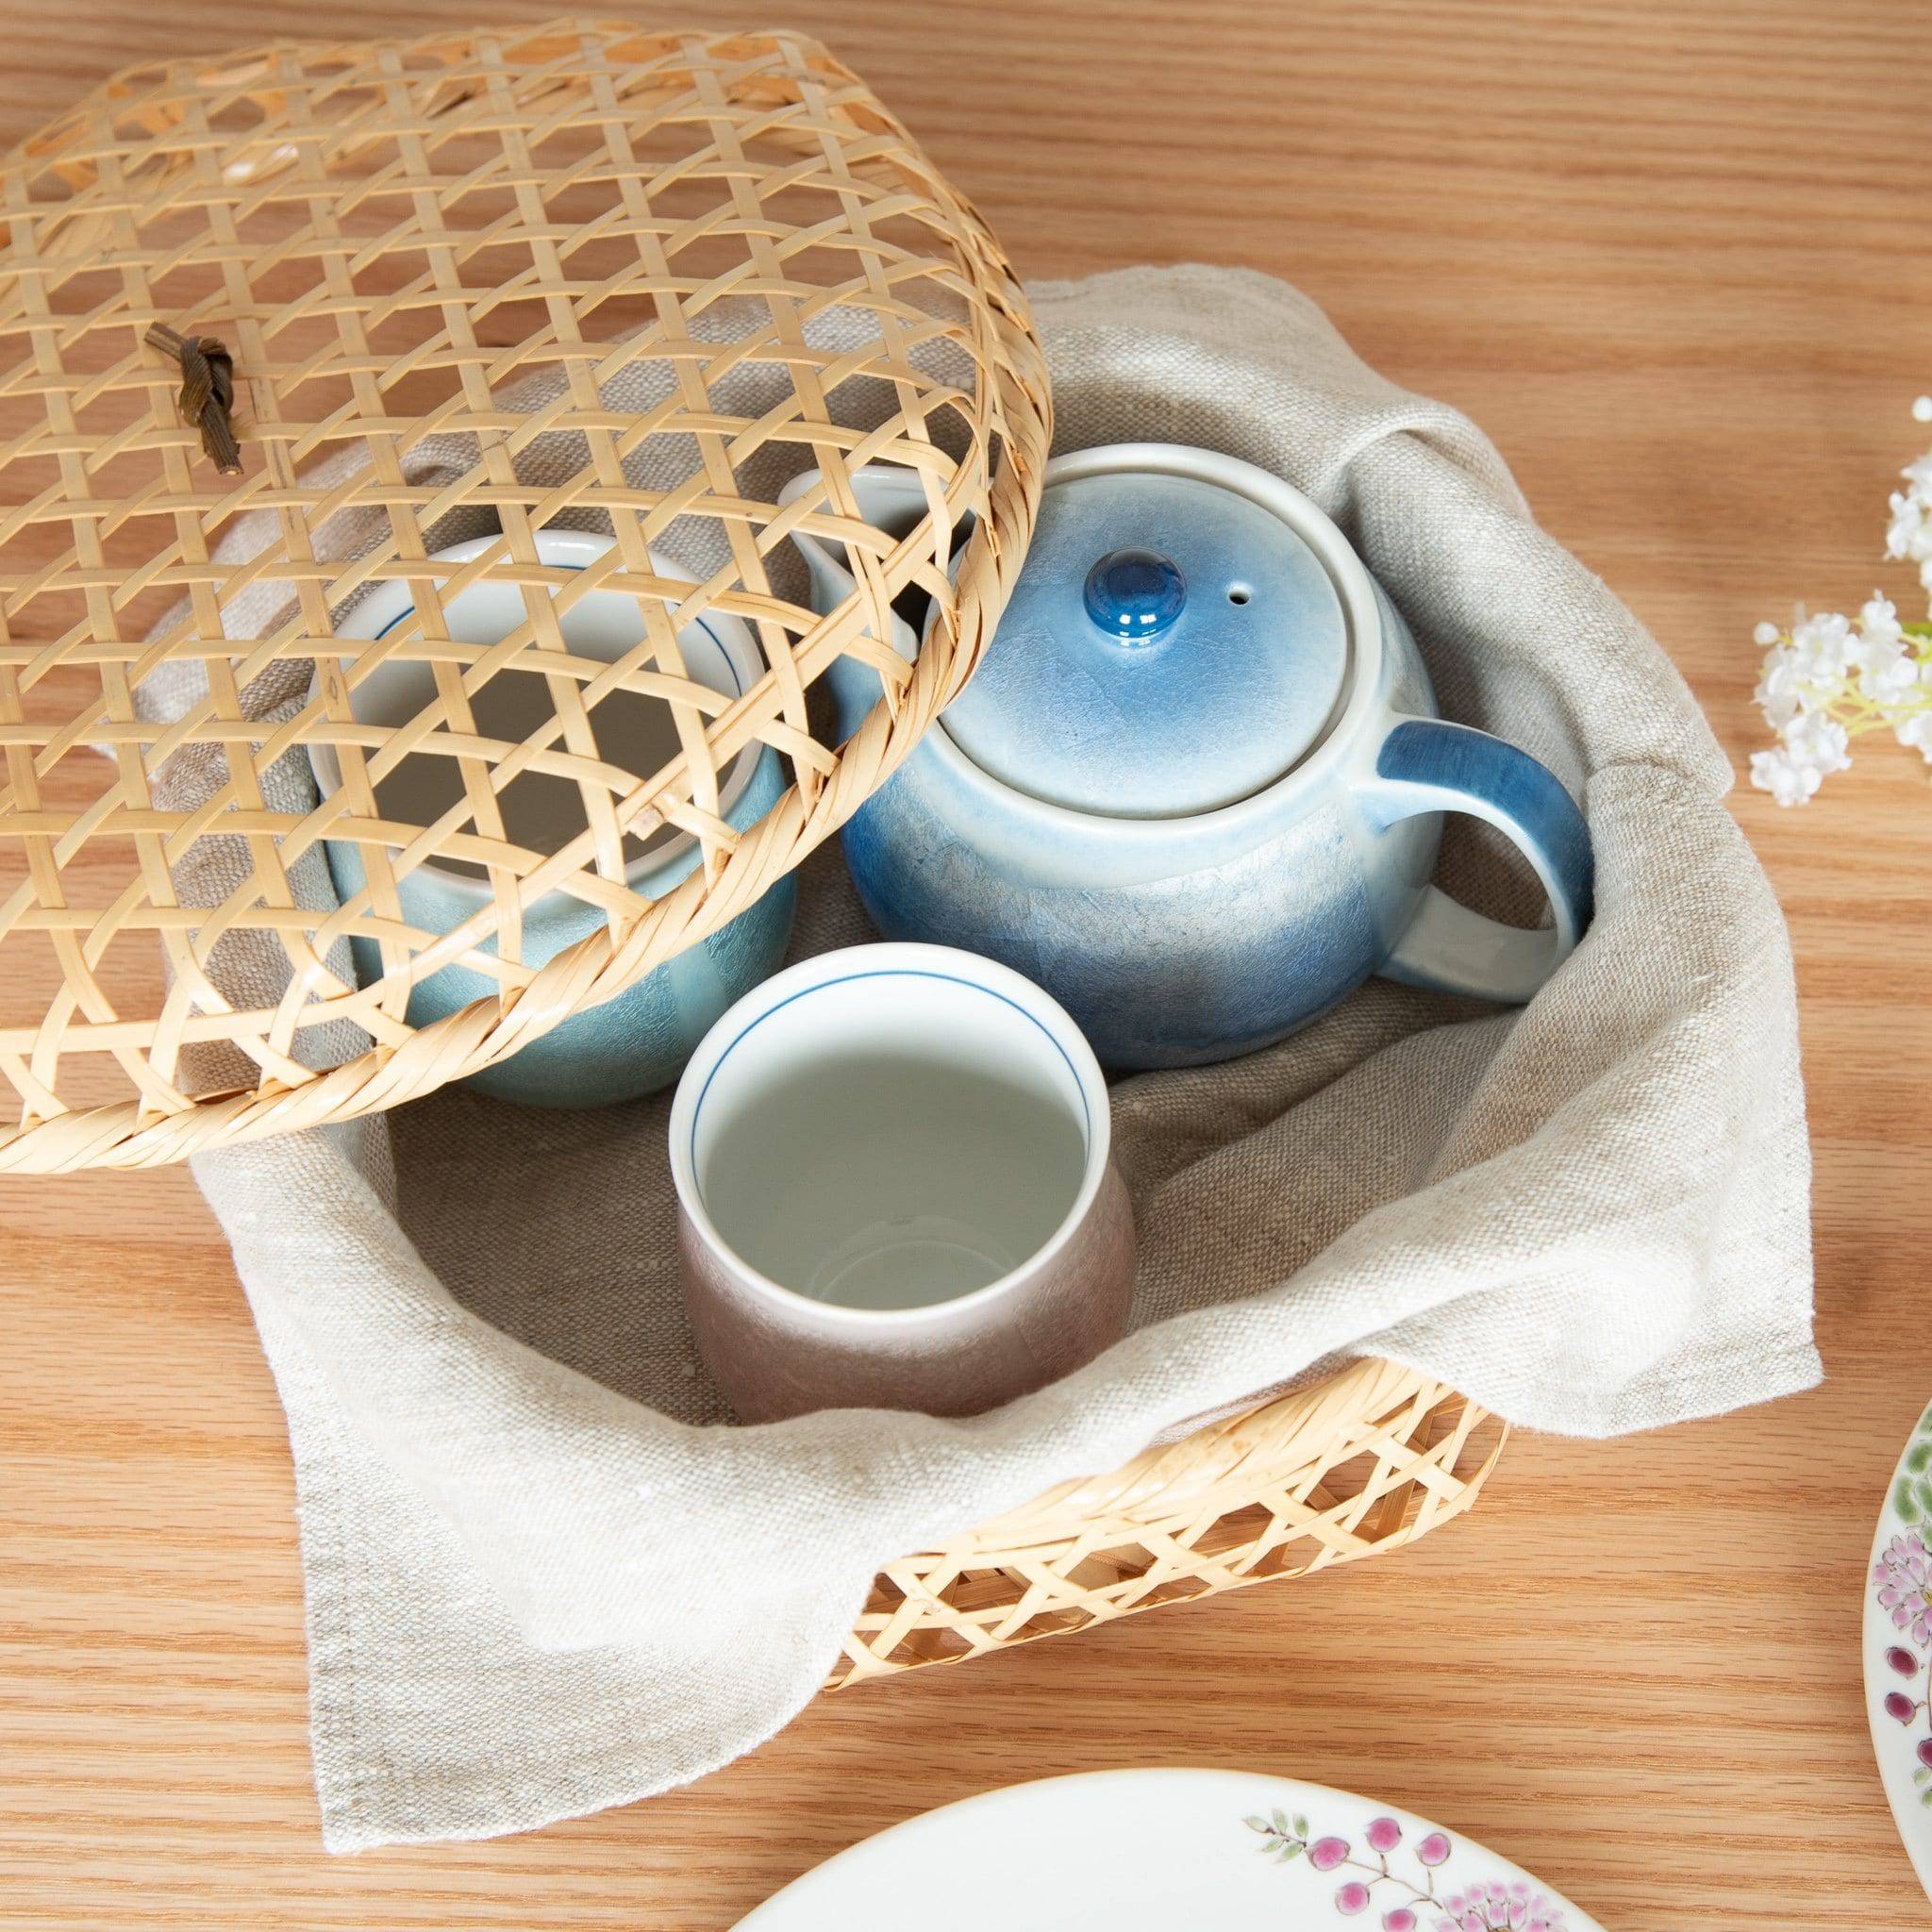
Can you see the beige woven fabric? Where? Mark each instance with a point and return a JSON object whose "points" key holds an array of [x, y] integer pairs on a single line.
{"points": [[540, 1579]]}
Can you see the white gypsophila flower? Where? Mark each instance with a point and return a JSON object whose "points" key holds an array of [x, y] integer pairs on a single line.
{"points": [[1823, 647], [1878, 621], [1780, 774], [1916, 732], [1819, 741], [1889, 675], [1909, 533], [1888, 671], [1781, 693], [1830, 678], [1911, 523]]}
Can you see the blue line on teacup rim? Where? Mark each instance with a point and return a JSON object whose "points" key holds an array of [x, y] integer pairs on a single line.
{"points": [[736, 689], [885, 973]]}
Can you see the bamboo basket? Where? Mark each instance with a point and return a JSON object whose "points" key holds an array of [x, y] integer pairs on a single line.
{"points": [[468, 243], [465, 238], [1369, 1459]]}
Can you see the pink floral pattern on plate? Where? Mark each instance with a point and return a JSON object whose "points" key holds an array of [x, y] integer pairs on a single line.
{"points": [[1902, 1582], [1409, 1884]]}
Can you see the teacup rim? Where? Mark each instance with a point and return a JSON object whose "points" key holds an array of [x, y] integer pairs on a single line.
{"points": [[563, 548], [913, 958]]}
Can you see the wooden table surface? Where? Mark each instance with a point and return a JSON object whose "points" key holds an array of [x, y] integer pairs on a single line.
{"points": [[1673, 258]]}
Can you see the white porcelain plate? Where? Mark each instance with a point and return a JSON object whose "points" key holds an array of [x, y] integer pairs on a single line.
{"points": [[1161, 1851], [1898, 1647]]}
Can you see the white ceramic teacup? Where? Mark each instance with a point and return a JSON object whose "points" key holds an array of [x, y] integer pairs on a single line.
{"points": [[895, 1188]]}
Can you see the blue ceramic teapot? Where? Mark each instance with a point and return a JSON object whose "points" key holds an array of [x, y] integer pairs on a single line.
{"points": [[1195, 788]]}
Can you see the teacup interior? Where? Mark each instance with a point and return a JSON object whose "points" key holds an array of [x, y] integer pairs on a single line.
{"points": [[542, 810], [890, 1139]]}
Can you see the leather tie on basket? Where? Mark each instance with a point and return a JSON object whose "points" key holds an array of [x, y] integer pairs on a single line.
{"points": [[208, 390]]}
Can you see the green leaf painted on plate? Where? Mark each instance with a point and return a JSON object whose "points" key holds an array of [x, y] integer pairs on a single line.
{"points": [[1301, 1825], [1919, 1457], [1904, 1500]]}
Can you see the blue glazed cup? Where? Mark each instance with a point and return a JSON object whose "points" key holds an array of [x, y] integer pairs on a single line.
{"points": [[1195, 788], [638, 1042]]}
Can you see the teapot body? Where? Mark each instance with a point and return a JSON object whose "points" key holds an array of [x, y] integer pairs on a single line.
{"points": [[1179, 937], [1215, 949]]}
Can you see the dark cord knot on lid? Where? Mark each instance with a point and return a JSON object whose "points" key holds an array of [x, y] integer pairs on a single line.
{"points": [[207, 391]]}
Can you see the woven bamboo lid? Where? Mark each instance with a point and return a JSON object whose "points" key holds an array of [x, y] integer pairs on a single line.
{"points": [[472, 285]]}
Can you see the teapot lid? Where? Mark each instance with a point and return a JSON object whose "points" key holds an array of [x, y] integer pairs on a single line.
{"points": [[1170, 647]]}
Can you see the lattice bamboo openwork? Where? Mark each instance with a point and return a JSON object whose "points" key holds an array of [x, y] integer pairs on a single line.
{"points": [[474, 286], [1367, 1460], [478, 288]]}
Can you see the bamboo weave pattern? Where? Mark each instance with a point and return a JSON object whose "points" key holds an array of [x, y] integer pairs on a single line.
{"points": [[1368, 1460], [472, 246], [467, 242]]}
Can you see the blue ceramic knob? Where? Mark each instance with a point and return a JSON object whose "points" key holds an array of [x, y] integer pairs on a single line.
{"points": [[1134, 594]]}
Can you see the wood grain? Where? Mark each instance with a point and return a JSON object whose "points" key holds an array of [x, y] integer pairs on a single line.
{"points": [[1672, 257]]}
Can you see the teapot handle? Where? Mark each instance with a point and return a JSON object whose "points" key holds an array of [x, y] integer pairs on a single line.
{"points": [[1428, 764]]}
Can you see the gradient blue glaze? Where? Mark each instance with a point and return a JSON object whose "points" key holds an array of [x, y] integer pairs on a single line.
{"points": [[1162, 975], [1178, 969], [632, 1044], [1188, 843], [1427, 751], [1213, 701]]}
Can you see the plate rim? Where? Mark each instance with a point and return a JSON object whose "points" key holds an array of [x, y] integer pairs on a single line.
{"points": [[1874, 1640], [756, 1920]]}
